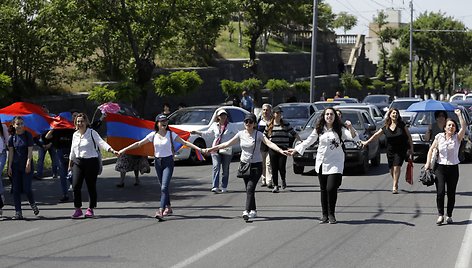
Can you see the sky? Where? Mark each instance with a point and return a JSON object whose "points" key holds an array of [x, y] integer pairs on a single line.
{"points": [[365, 10]]}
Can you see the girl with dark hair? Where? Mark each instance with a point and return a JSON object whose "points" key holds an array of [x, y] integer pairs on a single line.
{"points": [[330, 133], [250, 140], [162, 138], [281, 133], [84, 163], [399, 142], [20, 165], [447, 165]]}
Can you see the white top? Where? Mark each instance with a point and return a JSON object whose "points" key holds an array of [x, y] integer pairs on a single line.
{"points": [[83, 146], [4, 140], [330, 155], [247, 146], [215, 132], [448, 149], [162, 145]]}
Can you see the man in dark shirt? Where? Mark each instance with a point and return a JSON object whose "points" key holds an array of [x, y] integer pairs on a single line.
{"points": [[61, 140]]}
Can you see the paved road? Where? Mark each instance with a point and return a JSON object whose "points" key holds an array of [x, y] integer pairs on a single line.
{"points": [[375, 228]]}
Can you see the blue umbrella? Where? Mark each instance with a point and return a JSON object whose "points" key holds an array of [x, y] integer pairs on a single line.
{"points": [[430, 105]]}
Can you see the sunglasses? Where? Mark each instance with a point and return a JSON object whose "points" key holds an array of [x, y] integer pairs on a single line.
{"points": [[248, 122]]}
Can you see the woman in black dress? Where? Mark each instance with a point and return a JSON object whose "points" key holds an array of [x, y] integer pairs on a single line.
{"points": [[398, 142]]}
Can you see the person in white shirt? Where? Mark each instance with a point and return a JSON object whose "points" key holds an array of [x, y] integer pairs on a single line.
{"points": [[330, 133], [250, 140], [222, 130], [84, 163], [446, 168], [162, 139]]}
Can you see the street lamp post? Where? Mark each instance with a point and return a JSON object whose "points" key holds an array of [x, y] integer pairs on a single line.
{"points": [[410, 66], [313, 51]]}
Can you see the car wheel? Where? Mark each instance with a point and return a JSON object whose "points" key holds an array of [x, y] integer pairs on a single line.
{"points": [[193, 159], [376, 160], [298, 169]]}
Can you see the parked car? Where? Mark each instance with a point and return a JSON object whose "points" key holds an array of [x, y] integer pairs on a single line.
{"points": [[467, 104], [373, 111], [460, 96], [381, 101], [401, 104], [356, 156], [200, 118], [297, 113], [349, 100], [420, 124], [321, 105]]}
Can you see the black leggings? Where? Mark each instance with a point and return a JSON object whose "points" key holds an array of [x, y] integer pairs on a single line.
{"points": [[446, 175], [85, 169], [277, 162], [251, 183], [329, 191]]}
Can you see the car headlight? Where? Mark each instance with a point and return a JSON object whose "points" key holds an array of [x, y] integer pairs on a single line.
{"points": [[351, 145], [416, 137]]}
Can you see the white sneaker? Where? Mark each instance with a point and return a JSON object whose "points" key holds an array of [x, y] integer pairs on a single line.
{"points": [[215, 189], [245, 215], [224, 190], [71, 189], [252, 214]]}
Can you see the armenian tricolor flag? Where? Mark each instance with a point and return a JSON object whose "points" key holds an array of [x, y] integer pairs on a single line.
{"points": [[123, 130], [37, 121]]}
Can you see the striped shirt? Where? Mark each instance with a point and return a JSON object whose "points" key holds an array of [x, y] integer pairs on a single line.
{"points": [[281, 135]]}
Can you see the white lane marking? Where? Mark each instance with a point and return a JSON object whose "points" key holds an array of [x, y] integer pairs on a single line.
{"points": [[465, 253], [210, 249], [18, 234]]}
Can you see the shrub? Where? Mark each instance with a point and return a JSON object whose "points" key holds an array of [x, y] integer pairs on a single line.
{"points": [[177, 83], [230, 87], [303, 86], [102, 94], [5, 85], [277, 85]]}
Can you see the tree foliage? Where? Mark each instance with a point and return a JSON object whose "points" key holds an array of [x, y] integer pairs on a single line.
{"points": [[345, 20], [277, 85], [177, 83]]}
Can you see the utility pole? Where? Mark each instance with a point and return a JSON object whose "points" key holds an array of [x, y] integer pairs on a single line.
{"points": [[313, 51], [410, 66]]}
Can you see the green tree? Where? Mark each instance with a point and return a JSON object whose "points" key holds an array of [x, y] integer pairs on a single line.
{"points": [[345, 20], [349, 83], [397, 60], [177, 83]]}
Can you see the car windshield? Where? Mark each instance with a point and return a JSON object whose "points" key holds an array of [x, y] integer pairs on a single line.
{"points": [[427, 118], [295, 112], [191, 117], [376, 99], [351, 116], [402, 105]]}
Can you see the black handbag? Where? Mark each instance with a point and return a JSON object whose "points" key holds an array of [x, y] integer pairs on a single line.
{"points": [[244, 169], [427, 177]]}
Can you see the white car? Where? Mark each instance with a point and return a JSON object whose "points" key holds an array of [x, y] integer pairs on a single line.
{"points": [[402, 104], [460, 97], [200, 118]]}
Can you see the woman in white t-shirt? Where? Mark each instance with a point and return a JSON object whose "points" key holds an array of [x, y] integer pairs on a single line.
{"points": [[250, 140], [447, 166], [162, 139]]}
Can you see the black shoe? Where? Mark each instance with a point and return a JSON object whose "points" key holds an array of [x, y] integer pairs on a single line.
{"points": [[332, 219], [120, 185], [65, 198], [36, 177], [284, 184], [324, 219], [270, 185]]}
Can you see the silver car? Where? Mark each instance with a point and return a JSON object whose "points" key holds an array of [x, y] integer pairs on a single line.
{"points": [[200, 118]]}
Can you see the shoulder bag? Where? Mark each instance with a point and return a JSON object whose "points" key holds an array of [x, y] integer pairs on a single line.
{"points": [[100, 163], [427, 177], [244, 169]]}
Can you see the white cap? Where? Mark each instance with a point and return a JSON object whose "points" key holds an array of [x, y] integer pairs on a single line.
{"points": [[221, 111]]}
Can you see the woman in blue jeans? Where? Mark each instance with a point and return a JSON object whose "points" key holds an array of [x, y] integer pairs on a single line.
{"points": [[20, 165], [162, 139], [221, 131]]}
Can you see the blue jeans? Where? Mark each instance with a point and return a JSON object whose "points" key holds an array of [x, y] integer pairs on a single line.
{"points": [[41, 156], [21, 184], [3, 160], [164, 169], [220, 160], [62, 164]]}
